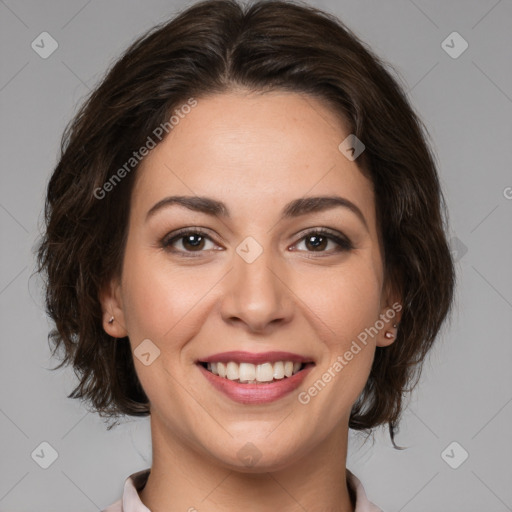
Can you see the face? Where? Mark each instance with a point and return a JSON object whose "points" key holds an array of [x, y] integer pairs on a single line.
{"points": [[258, 282]]}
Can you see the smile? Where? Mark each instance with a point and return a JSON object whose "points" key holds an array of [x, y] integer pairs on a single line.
{"points": [[252, 374], [251, 378]]}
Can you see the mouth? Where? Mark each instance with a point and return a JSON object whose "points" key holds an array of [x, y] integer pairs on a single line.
{"points": [[248, 368]]}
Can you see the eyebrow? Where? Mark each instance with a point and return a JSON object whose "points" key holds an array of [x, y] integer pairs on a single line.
{"points": [[293, 209]]}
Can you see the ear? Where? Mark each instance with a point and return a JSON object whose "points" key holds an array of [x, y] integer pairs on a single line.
{"points": [[112, 307], [390, 314]]}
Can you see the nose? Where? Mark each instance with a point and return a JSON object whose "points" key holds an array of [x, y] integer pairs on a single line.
{"points": [[257, 294]]}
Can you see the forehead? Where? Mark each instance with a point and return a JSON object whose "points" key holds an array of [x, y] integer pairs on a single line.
{"points": [[250, 149]]}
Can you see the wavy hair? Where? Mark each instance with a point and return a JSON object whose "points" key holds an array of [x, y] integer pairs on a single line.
{"points": [[213, 47]]}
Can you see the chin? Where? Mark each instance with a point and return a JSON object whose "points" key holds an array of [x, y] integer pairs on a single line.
{"points": [[256, 456]]}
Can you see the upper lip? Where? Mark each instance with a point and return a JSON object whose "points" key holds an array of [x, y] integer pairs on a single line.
{"points": [[239, 356]]}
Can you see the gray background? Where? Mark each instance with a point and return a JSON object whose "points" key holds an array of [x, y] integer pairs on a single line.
{"points": [[466, 389]]}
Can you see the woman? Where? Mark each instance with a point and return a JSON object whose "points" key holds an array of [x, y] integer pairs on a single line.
{"points": [[245, 240]]}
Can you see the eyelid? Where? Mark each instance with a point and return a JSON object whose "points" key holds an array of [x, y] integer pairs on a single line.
{"points": [[181, 233], [340, 239], [343, 242]]}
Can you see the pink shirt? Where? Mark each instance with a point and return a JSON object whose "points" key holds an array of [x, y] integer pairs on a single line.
{"points": [[130, 502]]}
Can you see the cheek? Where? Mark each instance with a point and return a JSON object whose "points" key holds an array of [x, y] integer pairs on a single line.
{"points": [[347, 300], [162, 302], [346, 306]]}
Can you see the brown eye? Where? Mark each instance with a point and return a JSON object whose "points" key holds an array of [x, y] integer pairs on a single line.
{"points": [[318, 240], [191, 241], [194, 241], [318, 243], [188, 241]]}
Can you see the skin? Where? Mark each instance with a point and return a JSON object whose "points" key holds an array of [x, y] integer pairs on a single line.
{"points": [[255, 152]]}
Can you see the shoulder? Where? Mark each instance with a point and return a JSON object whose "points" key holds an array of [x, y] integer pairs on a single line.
{"points": [[130, 501]]}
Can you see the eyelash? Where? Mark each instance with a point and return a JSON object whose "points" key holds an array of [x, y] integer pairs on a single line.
{"points": [[344, 244]]}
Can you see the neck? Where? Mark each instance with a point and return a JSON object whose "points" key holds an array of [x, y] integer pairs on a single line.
{"points": [[182, 478]]}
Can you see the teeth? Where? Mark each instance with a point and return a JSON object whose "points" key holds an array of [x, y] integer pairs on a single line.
{"points": [[264, 372], [250, 373], [232, 372], [246, 372], [279, 370]]}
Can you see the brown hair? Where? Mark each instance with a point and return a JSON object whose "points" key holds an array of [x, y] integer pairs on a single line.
{"points": [[212, 47]]}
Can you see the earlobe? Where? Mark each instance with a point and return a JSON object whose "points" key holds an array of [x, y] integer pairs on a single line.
{"points": [[389, 336], [113, 313], [391, 315]]}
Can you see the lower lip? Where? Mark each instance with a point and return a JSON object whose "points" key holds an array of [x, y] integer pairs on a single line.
{"points": [[256, 393]]}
